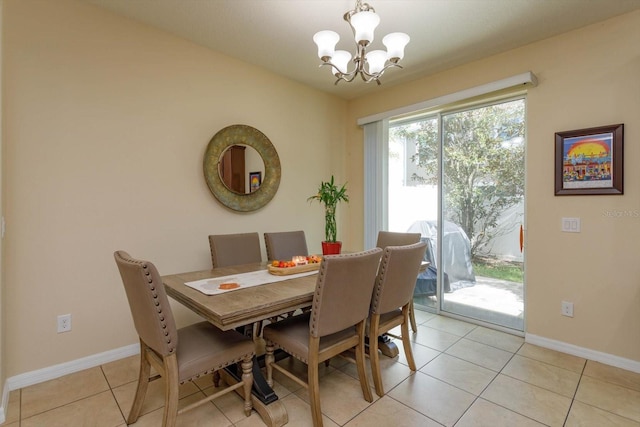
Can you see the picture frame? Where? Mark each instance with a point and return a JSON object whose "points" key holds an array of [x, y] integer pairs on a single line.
{"points": [[589, 161], [255, 181]]}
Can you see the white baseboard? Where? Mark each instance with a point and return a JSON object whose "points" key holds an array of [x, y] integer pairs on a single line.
{"points": [[586, 353], [57, 371]]}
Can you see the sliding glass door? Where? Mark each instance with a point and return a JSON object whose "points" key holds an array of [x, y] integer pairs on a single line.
{"points": [[457, 177]]}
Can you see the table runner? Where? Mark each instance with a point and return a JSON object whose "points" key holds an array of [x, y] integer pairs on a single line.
{"points": [[245, 280]]}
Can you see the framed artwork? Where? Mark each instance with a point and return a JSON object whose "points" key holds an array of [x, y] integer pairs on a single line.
{"points": [[255, 179], [589, 161]]}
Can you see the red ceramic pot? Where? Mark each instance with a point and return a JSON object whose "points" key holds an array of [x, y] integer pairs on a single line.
{"points": [[331, 248]]}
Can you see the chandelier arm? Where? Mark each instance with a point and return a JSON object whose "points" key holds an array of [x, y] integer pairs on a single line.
{"points": [[347, 77], [370, 77]]}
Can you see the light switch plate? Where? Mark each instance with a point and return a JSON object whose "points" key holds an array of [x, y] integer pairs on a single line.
{"points": [[571, 225]]}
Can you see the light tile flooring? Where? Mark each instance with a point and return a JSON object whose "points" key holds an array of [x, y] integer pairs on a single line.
{"points": [[467, 376]]}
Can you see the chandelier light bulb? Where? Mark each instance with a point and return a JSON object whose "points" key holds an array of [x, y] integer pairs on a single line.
{"points": [[376, 60], [395, 43], [364, 24], [326, 41], [340, 60]]}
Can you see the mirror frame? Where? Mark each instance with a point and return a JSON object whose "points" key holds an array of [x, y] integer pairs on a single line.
{"points": [[252, 137]]}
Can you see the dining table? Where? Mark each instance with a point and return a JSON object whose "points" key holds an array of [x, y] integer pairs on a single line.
{"points": [[241, 308]]}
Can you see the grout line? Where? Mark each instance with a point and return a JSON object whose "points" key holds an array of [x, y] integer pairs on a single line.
{"points": [[124, 418]]}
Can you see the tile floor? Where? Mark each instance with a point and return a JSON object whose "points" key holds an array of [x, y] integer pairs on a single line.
{"points": [[467, 376]]}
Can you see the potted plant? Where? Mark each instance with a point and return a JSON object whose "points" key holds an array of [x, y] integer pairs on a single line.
{"points": [[329, 194]]}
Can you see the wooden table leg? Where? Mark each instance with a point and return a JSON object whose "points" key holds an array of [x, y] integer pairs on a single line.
{"points": [[273, 414]]}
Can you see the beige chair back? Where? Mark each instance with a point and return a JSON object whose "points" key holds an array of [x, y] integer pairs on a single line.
{"points": [[396, 278], [234, 249], [343, 291], [392, 238], [149, 304], [285, 245]]}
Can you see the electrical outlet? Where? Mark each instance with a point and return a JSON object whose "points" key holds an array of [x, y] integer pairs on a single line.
{"points": [[64, 323], [567, 309]]}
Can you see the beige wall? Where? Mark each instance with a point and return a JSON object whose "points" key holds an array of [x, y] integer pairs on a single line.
{"points": [[106, 123], [587, 78]]}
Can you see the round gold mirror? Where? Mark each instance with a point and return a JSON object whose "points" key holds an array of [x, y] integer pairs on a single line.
{"points": [[259, 186]]}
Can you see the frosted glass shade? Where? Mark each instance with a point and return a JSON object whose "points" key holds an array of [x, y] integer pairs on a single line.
{"points": [[395, 43], [364, 23], [376, 60], [340, 60], [326, 41]]}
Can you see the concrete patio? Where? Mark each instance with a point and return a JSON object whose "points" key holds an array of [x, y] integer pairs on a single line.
{"points": [[491, 300]]}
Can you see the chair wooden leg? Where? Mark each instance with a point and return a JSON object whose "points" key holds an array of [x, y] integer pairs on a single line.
{"points": [[269, 360], [406, 343], [314, 382], [412, 317], [360, 363], [247, 381], [171, 391], [374, 358], [143, 383]]}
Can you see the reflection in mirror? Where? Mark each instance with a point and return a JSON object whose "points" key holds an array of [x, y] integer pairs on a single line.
{"points": [[239, 165]]}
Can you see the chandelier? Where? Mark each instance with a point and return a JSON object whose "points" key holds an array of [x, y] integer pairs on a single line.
{"points": [[363, 21]]}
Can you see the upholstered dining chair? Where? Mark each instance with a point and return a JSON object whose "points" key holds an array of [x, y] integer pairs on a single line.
{"points": [[335, 324], [392, 238], [178, 355], [234, 249], [285, 244], [392, 296]]}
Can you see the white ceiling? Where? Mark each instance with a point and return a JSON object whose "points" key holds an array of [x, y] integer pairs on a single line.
{"points": [[277, 34]]}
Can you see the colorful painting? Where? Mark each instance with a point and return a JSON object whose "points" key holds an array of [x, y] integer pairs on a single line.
{"points": [[589, 161], [255, 179]]}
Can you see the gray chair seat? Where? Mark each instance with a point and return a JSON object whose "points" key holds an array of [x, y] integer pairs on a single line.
{"points": [[204, 348], [293, 333]]}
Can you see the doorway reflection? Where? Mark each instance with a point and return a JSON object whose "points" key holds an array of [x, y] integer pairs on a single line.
{"points": [[238, 166]]}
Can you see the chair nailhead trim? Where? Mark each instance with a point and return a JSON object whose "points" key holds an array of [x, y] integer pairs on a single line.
{"points": [[159, 310]]}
